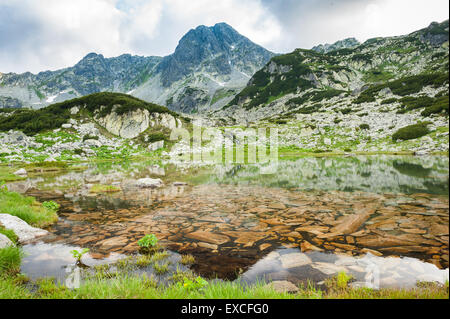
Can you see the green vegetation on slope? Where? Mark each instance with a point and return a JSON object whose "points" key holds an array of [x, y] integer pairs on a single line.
{"points": [[404, 86], [53, 116], [264, 86], [411, 132]]}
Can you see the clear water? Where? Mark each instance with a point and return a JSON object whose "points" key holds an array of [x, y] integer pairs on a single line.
{"points": [[239, 200]]}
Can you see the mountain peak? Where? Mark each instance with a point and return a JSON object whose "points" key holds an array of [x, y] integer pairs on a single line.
{"points": [[93, 55], [216, 44]]}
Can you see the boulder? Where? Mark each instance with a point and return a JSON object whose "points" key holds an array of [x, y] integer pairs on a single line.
{"points": [[74, 110], [351, 223], [293, 260], [156, 146], [149, 183], [16, 137], [208, 237], [21, 172], [24, 231], [92, 142]]}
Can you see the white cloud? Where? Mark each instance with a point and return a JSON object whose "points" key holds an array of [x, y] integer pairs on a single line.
{"points": [[37, 35], [249, 18]]}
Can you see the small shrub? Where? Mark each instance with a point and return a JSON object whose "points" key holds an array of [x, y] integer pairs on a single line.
{"points": [[342, 280], [148, 243], [411, 132], [51, 205], [347, 110], [79, 254], [143, 261], [192, 284], [187, 259], [161, 269], [389, 101], [155, 137], [364, 126]]}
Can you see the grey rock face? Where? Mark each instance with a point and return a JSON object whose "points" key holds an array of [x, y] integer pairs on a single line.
{"points": [[24, 231], [132, 124]]}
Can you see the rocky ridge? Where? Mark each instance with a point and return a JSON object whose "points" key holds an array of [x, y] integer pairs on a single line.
{"points": [[209, 66]]}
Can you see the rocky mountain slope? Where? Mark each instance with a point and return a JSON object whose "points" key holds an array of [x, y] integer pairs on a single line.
{"points": [[209, 66], [99, 124], [386, 94]]}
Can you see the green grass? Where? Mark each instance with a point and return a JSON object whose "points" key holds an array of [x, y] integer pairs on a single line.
{"points": [[161, 268], [142, 287], [27, 209], [6, 174], [10, 259], [404, 86], [99, 188], [9, 233], [187, 259]]}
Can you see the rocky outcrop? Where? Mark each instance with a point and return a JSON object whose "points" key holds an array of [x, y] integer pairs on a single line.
{"points": [[24, 231], [131, 124]]}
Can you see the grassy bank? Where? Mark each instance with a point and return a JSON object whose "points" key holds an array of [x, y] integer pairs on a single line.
{"points": [[27, 209], [124, 287]]}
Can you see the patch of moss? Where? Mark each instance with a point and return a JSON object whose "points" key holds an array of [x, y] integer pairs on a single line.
{"points": [[99, 188]]}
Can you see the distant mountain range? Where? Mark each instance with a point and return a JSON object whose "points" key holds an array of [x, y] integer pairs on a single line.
{"points": [[208, 68], [304, 80]]}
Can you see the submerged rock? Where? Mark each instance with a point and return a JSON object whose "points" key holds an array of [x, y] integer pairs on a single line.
{"points": [[24, 231], [294, 260]]}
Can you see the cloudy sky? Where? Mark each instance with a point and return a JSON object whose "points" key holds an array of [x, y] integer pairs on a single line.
{"points": [[37, 35]]}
